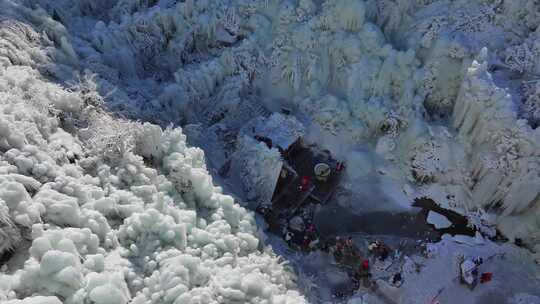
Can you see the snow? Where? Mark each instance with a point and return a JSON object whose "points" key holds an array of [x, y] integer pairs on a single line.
{"points": [[441, 269], [283, 131], [36, 300], [438, 220], [524, 298], [106, 107], [259, 168]]}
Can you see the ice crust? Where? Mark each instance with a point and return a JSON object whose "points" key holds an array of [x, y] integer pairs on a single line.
{"points": [[438, 220]]}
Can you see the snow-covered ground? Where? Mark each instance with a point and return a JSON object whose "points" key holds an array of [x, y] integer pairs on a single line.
{"points": [[435, 277], [105, 197]]}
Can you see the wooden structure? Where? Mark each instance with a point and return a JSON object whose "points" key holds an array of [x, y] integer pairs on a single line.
{"points": [[299, 163], [297, 187]]}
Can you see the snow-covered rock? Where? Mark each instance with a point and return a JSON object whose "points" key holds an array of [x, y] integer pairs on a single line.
{"points": [[438, 220]]}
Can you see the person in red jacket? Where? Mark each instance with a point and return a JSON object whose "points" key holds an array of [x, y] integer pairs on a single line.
{"points": [[486, 277], [365, 265], [304, 183], [363, 272]]}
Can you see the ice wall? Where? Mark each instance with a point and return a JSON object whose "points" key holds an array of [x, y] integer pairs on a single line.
{"points": [[112, 210], [505, 158], [483, 78]]}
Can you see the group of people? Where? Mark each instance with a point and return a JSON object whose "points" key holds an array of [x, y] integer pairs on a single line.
{"points": [[380, 250], [347, 254], [302, 235], [350, 258]]}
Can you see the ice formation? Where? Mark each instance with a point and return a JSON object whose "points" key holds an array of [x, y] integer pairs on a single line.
{"points": [[110, 234], [438, 97], [112, 211], [438, 220]]}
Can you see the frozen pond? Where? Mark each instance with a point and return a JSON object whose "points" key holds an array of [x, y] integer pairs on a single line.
{"points": [[336, 220]]}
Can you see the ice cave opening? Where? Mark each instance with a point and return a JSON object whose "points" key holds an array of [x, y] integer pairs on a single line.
{"points": [[269, 151]]}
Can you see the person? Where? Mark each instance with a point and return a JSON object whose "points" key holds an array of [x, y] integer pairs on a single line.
{"points": [[304, 183], [339, 243], [468, 273], [373, 246], [348, 247], [397, 279], [349, 242], [363, 269], [379, 249], [363, 272], [310, 231], [383, 251], [338, 252], [365, 265], [305, 242]]}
